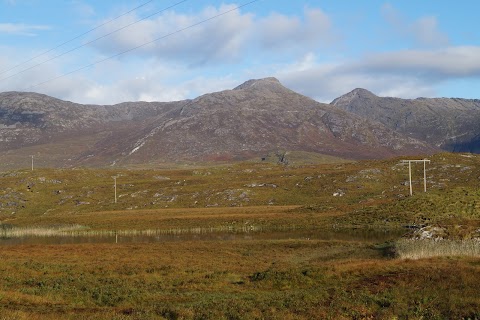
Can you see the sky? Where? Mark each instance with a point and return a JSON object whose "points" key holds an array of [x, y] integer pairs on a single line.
{"points": [[111, 51]]}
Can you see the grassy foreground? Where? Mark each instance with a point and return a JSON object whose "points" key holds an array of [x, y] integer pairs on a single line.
{"points": [[288, 279], [246, 277]]}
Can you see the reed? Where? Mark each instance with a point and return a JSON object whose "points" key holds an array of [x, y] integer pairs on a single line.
{"points": [[428, 248], [82, 231], [17, 232]]}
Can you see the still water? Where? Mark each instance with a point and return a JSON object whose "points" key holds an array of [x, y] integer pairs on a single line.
{"points": [[341, 235]]}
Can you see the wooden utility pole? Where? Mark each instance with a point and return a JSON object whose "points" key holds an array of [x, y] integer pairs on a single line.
{"points": [[410, 173], [410, 176], [424, 176], [115, 187]]}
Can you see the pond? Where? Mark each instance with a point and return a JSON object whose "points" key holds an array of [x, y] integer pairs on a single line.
{"points": [[368, 235]]}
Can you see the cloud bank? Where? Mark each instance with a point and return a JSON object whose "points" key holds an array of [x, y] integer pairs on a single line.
{"points": [[21, 29], [305, 51]]}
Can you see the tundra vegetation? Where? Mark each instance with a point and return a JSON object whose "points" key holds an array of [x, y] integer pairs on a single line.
{"points": [[252, 240]]}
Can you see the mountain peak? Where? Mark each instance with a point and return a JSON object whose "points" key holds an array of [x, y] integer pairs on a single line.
{"points": [[357, 93], [361, 92], [269, 82]]}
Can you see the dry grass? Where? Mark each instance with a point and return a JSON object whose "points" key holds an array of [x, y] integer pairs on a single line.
{"points": [[264, 278], [373, 192], [428, 248], [81, 231], [265, 217], [241, 279], [64, 230]]}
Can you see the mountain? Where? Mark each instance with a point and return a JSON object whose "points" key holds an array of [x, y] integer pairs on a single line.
{"points": [[451, 124], [254, 119], [31, 118], [261, 116], [62, 133]]}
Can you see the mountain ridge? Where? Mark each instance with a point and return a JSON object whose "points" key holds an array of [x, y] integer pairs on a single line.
{"points": [[448, 123], [257, 117]]}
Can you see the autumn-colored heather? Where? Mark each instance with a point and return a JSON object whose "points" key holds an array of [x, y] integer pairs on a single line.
{"points": [[245, 277]]}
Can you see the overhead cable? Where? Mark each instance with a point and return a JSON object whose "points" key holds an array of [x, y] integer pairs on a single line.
{"points": [[143, 45], [92, 41], [75, 38]]}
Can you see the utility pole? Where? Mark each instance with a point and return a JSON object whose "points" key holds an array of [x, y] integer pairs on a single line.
{"points": [[115, 187], [410, 173], [424, 177], [410, 176], [32, 162]]}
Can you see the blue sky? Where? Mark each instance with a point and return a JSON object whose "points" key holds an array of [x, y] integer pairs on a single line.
{"points": [[323, 49]]}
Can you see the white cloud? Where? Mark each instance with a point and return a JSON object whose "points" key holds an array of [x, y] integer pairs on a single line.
{"points": [[21, 29], [116, 81], [426, 33], [143, 88], [218, 40], [162, 71], [83, 9], [436, 64], [276, 28], [423, 32], [306, 62], [227, 39], [407, 74], [282, 31], [392, 15], [325, 84]]}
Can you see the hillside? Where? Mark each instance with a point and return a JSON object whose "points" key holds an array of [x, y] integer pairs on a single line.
{"points": [[61, 133], [356, 194], [262, 116], [250, 121], [450, 124]]}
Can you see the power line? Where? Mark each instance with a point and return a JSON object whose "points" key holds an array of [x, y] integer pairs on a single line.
{"points": [[92, 41], [143, 45], [75, 38]]}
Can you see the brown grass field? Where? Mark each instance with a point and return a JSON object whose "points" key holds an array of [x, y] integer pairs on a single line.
{"points": [[242, 279], [245, 241]]}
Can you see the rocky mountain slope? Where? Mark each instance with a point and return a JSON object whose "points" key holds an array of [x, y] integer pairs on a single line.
{"points": [[450, 124], [257, 117], [31, 118]]}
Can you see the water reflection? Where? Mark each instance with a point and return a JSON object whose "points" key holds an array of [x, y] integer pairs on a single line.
{"points": [[369, 235]]}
